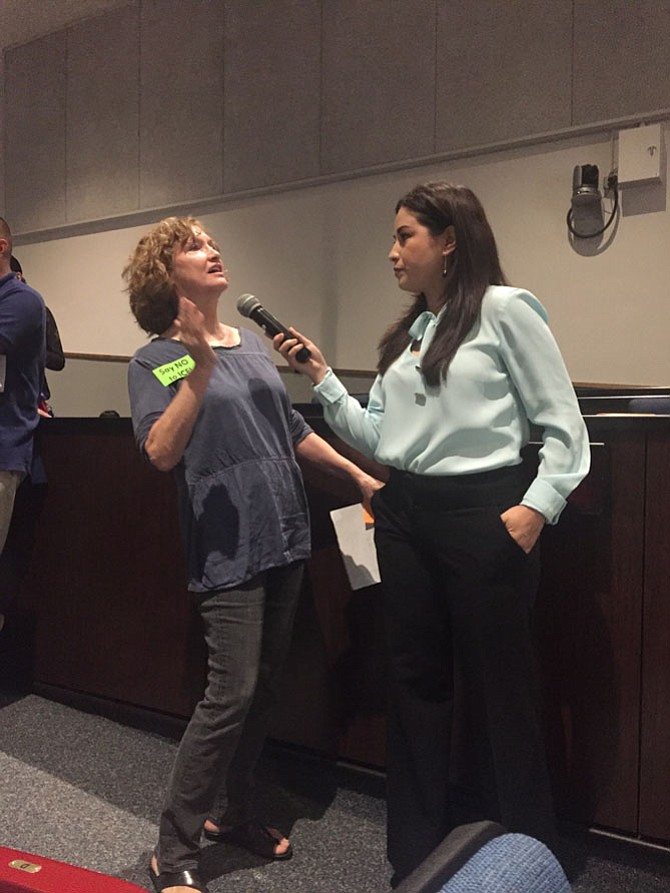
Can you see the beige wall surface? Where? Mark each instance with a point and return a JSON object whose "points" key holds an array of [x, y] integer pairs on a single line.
{"points": [[87, 387], [319, 145], [317, 258]]}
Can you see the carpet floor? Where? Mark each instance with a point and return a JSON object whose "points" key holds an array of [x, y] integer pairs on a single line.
{"points": [[86, 790]]}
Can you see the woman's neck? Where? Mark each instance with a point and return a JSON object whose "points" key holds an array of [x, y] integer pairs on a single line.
{"points": [[435, 302], [223, 336], [214, 329]]}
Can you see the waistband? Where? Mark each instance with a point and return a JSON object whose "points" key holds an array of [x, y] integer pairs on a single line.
{"points": [[478, 488]]}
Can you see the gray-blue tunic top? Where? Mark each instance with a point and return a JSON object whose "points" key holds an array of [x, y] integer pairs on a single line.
{"points": [[242, 501]]}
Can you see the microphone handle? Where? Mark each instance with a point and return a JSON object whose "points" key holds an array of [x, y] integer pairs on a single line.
{"points": [[273, 327]]}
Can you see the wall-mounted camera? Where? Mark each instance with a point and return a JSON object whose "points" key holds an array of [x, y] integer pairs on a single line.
{"points": [[585, 218], [586, 207]]}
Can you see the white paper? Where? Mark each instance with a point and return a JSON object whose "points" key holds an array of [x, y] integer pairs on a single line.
{"points": [[356, 543]]}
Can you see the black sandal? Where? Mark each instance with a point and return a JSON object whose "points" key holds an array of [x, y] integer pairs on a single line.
{"points": [[254, 837], [177, 879]]}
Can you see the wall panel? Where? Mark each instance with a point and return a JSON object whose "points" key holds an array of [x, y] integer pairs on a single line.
{"points": [[503, 71], [235, 95], [621, 58], [103, 116], [35, 134], [378, 82], [272, 92], [181, 101]]}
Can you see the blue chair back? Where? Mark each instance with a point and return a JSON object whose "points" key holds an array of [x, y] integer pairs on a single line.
{"points": [[510, 863]]}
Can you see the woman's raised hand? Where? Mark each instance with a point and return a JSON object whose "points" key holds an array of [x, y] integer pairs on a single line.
{"points": [[314, 368], [190, 325]]}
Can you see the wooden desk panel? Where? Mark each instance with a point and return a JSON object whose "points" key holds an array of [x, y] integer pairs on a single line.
{"points": [[113, 618], [655, 730], [589, 621], [335, 691]]}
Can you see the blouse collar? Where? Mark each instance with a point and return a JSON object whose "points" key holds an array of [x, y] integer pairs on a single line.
{"points": [[418, 328]]}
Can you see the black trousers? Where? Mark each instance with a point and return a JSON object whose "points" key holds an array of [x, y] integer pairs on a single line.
{"points": [[465, 731]]}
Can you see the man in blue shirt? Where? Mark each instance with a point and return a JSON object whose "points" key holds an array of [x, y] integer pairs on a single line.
{"points": [[22, 354]]}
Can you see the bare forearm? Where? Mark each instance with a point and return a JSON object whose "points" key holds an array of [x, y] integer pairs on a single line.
{"points": [[170, 434], [317, 451]]}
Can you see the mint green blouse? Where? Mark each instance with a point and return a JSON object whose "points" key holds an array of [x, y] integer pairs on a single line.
{"points": [[506, 374]]}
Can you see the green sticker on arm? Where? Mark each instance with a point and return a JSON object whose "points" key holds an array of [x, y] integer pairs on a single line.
{"points": [[172, 372]]}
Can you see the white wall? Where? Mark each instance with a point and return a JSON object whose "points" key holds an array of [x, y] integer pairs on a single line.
{"points": [[317, 258], [87, 387]]}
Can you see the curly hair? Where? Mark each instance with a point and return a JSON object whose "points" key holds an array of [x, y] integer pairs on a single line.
{"points": [[153, 298]]}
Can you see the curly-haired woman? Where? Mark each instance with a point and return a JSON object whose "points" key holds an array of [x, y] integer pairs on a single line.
{"points": [[208, 403]]}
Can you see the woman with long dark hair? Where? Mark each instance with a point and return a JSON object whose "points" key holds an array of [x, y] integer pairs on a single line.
{"points": [[461, 377]]}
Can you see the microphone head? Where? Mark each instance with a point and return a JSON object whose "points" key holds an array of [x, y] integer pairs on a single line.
{"points": [[246, 304]]}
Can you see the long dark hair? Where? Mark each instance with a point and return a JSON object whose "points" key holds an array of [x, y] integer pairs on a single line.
{"points": [[473, 266]]}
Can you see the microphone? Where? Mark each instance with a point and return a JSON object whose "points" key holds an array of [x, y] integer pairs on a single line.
{"points": [[251, 307]]}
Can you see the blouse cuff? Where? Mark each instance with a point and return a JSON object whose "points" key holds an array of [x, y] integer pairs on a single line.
{"points": [[330, 389], [542, 497]]}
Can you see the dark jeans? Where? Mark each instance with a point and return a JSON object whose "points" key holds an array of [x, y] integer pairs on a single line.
{"points": [[465, 735], [248, 633]]}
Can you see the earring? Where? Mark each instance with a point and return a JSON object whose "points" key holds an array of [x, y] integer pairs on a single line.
{"points": [[444, 266]]}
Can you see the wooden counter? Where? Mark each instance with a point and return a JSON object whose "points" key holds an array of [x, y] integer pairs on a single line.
{"points": [[106, 599]]}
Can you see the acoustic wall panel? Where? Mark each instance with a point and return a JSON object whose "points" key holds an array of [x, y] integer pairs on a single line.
{"points": [[272, 92], [295, 89], [35, 134], [181, 101], [103, 116], [621, 58], [378, 93], [503, 70]]}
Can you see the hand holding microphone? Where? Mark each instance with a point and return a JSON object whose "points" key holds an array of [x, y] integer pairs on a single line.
{"points": [[251, 307], [315, 368], [299, 352]]}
